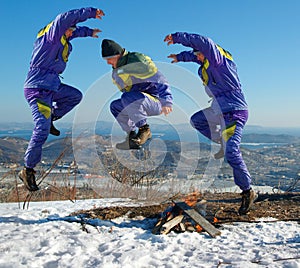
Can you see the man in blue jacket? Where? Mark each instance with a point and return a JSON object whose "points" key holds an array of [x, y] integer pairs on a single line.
{"points": [[145, 93], [48, 98], [225, 119]]}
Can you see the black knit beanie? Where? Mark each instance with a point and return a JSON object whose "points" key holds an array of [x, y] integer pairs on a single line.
{"points": [[110, 48]]}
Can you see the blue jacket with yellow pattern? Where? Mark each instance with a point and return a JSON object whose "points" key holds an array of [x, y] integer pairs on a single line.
{"points": [[137, 72], [218, 71], [52, 48]]}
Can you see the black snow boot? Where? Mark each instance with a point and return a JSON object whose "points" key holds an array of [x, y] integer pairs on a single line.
{"points": [[248, 198], [129, 142], [53, 130], [143, 135], [27, 176]]}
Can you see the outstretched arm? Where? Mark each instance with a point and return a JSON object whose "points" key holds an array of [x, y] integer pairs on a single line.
{"points": [[84, 31], [65, 20], [195, 41], [198, 42], [184, 56]]}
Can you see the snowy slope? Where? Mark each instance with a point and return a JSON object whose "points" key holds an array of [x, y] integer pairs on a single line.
{"points": [[40, 237]]}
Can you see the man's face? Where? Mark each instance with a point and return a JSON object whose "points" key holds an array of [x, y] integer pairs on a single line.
{"points": [[200, 56], [68, 33], [113, 60]]}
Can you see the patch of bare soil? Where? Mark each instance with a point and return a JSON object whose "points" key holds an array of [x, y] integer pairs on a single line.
{"points": [[283, 206], [152, 211], [223, 206]]}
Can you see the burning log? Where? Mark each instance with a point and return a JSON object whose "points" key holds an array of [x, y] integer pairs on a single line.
{"points": [[183, 217]]}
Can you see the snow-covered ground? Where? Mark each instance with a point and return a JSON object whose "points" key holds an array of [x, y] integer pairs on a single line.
{"points": [[41, 237]]}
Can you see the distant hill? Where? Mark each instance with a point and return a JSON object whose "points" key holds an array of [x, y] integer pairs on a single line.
{"points": [[182, 132], [14, 126], [269, 138], [12, 149]]}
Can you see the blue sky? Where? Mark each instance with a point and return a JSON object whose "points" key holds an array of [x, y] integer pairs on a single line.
{"points": [[263, 37]]}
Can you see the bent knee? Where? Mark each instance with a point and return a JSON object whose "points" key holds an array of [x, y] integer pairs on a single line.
{"points": [[78, 97], [198, 121]]}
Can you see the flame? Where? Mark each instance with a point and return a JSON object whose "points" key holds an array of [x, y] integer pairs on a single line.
{"points": [[191, 199], [170, 215], [198, 228]]}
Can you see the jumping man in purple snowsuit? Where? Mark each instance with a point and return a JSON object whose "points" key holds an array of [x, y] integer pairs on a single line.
{"points": [[48, 98], [145, 92], [228, 109]]}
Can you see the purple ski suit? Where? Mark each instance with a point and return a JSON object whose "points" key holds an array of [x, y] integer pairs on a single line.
{"points": [[228, 109], [48, 98]]}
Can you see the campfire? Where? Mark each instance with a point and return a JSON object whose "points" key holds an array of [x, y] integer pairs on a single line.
{"points": [[188, 215]]}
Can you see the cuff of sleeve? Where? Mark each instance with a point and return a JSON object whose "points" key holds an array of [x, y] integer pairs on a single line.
{"points": [[175, 38], [166, 104]]}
